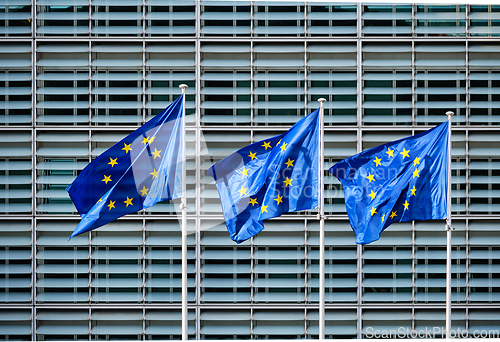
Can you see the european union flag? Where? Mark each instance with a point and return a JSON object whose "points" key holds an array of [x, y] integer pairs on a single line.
{"points": [[400, 181], [142, 169], [268, 178]]}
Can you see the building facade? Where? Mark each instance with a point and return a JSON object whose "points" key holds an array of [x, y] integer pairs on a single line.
{"points": [[78, 75]]}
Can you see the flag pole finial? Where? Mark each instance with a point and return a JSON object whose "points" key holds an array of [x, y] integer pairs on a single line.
{"points": [[449, 113], [321, 100]]}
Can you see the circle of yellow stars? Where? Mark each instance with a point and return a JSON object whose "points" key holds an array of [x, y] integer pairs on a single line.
{"points": [[244, 173], [114, 161], [416, 173]]}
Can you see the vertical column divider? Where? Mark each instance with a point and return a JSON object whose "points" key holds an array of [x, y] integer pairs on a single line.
{"points": [[413, 259], [467, 88], [144, 81], [198, 176], [33, 171], [467, 164], [413, 81], [252, 104], [252, 118], [144, 279], [359, 84]]}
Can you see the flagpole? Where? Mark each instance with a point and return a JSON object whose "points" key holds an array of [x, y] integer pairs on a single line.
{"points": [[183, 207], [448, 235], [321, 223]]}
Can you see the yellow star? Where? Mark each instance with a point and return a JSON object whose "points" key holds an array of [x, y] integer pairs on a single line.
{"points": [[415, 173], [390, 152], [289, 162], [278, 142], [283, 147], [266, 145], [377, 161], [128, 201], [373, 211], [111, 204], [370, 177], [264, 208], [288, 181], [393, 214], [154, 174], [244, 172], [144, 191], [252, 155], [100, 200], [112, 162], [148, 140], [253, 201], [406, 204], [127, 147], [156, 153], [243, 191], [106, 179], [383, 217], [416, 161], [372, 195], [413, 191], [405, 153], [279, 199]]}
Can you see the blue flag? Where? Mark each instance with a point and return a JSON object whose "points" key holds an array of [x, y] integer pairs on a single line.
{"points": [[268, 178], [400, 181], [142, 169]]}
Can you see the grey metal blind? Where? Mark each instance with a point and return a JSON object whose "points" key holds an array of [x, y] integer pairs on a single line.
{"points": [[385, 321], [170, 18], [15, 168], [15, 83], [15, 324], [58, 169], [426, 319], [327, 20], [56, 18], [483, 21], [387, 20], [16, 18], [15, 254], [274, 18], [446, 20], [225, 18], [483, 96]]}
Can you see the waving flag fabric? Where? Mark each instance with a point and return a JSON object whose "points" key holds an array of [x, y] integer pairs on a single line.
{"points": [[269, 178], [400, 181], [142, 169]]}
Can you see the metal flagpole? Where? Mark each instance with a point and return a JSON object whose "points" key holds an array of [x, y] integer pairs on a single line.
{"points": [[183, 207], [448, 235], [321, 215]]}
